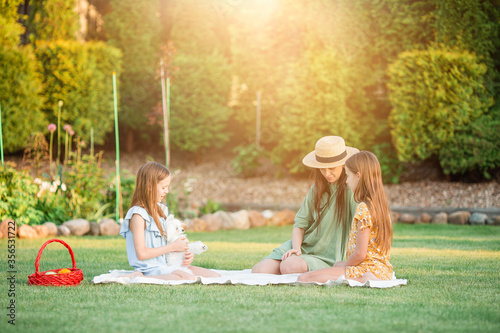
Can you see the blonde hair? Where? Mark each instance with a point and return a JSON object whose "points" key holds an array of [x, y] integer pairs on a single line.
{"points": [[370, 190], [145, 194]]}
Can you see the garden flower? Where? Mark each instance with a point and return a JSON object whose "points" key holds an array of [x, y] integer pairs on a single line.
{"points": [[188, 185], [52, 128], [68, 129], [38, 181]]}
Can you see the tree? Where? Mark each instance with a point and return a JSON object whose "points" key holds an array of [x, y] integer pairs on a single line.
{"points": [[20, 88], [10, 29], [434, 93], [318, 105], [52, 20], [199, 104], [134, 28], [81, 76]]}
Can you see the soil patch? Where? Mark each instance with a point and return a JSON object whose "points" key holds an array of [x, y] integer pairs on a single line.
{"points": [[214, 179]]}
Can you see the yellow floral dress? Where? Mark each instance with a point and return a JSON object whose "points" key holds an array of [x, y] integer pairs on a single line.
{"points": [[375, 262]]}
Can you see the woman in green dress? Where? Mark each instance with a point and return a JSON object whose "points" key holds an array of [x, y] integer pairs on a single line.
{"points": [[322, 224]]}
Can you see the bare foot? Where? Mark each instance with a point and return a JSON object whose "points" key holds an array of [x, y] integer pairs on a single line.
{"points": [[132, 275], [368, 276]]}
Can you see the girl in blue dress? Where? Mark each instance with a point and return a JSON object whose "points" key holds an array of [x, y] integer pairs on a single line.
{"points": [[144, 229]]}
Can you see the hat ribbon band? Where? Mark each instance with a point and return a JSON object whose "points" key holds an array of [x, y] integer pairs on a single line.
{"points": [[331, 159]]}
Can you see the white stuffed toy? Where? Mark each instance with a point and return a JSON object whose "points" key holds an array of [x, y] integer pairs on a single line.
{"points": [[174, 231]]}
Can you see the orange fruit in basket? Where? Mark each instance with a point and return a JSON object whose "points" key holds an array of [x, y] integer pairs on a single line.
{"points": [[64, 271]]}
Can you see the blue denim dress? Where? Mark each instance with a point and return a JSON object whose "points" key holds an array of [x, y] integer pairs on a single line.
{"points": [[152, 238]]}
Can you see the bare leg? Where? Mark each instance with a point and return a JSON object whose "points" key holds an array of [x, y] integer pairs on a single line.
{"points": [[268, 266], [199, 271], [175, 275], [322, 275], [133, 275], [293, 264], [365, 277]]}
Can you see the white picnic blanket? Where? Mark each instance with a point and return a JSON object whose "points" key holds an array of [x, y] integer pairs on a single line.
{"points": [[242, 277]]}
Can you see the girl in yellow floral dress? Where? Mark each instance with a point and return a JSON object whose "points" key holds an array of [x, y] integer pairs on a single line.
{"points": [[370, 239]]}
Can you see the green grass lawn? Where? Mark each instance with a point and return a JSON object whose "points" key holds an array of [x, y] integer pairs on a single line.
{"points": [[453, 277]]}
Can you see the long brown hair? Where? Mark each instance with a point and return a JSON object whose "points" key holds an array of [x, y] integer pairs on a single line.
{"points": [[370, 190], [323, 186], [145, 194]]}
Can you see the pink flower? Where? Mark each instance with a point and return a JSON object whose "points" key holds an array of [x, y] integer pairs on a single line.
{"points": [[67, 127], [71, 132], [52, 128]]}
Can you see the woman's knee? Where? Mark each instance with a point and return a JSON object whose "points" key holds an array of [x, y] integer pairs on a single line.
{"points": [[268, 266], [293, 265]]}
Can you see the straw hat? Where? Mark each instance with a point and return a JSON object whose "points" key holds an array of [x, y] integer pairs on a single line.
{"points": [[330, 152]]}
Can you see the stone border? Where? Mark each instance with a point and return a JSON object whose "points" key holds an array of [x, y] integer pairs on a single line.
{"points": [[244, 219], [491, 212]]}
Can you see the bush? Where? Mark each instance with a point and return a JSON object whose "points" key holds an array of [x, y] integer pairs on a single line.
{"points": [[86, 186], [140, 45], [52, 20], [433, 93], [472, 25], [390, 166], [210, 207], [52, 202], [199, 102], [20, 99], [81, 76], [10, 29], [317, 105], [474, 147], [247, 160], [18, 196], [127, 187]]}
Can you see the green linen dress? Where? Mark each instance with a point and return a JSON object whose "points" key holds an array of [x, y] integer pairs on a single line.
{"points": [[323, 246]]}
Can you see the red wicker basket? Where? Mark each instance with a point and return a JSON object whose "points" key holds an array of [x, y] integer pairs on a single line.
{"points": [[64, 279]]}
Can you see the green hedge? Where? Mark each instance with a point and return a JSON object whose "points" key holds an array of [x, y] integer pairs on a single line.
{"points": [[318, 105], [20, 98], [199, 110], [434, 93], [52, 20], [18, 196], [81, 76], [134, 28], [10, 28], [474, 147]]}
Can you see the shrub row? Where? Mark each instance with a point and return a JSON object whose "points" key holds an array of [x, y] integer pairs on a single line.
{"points": [[33, 82], [442, 107]]}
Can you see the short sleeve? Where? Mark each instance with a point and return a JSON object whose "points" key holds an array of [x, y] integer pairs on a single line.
{"points": [[363, 215], [150, 223], [304, 217]]}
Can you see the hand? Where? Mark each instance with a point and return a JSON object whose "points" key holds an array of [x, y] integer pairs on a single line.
{"points": [[180, 245], [290, 252], [189, 259]]}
